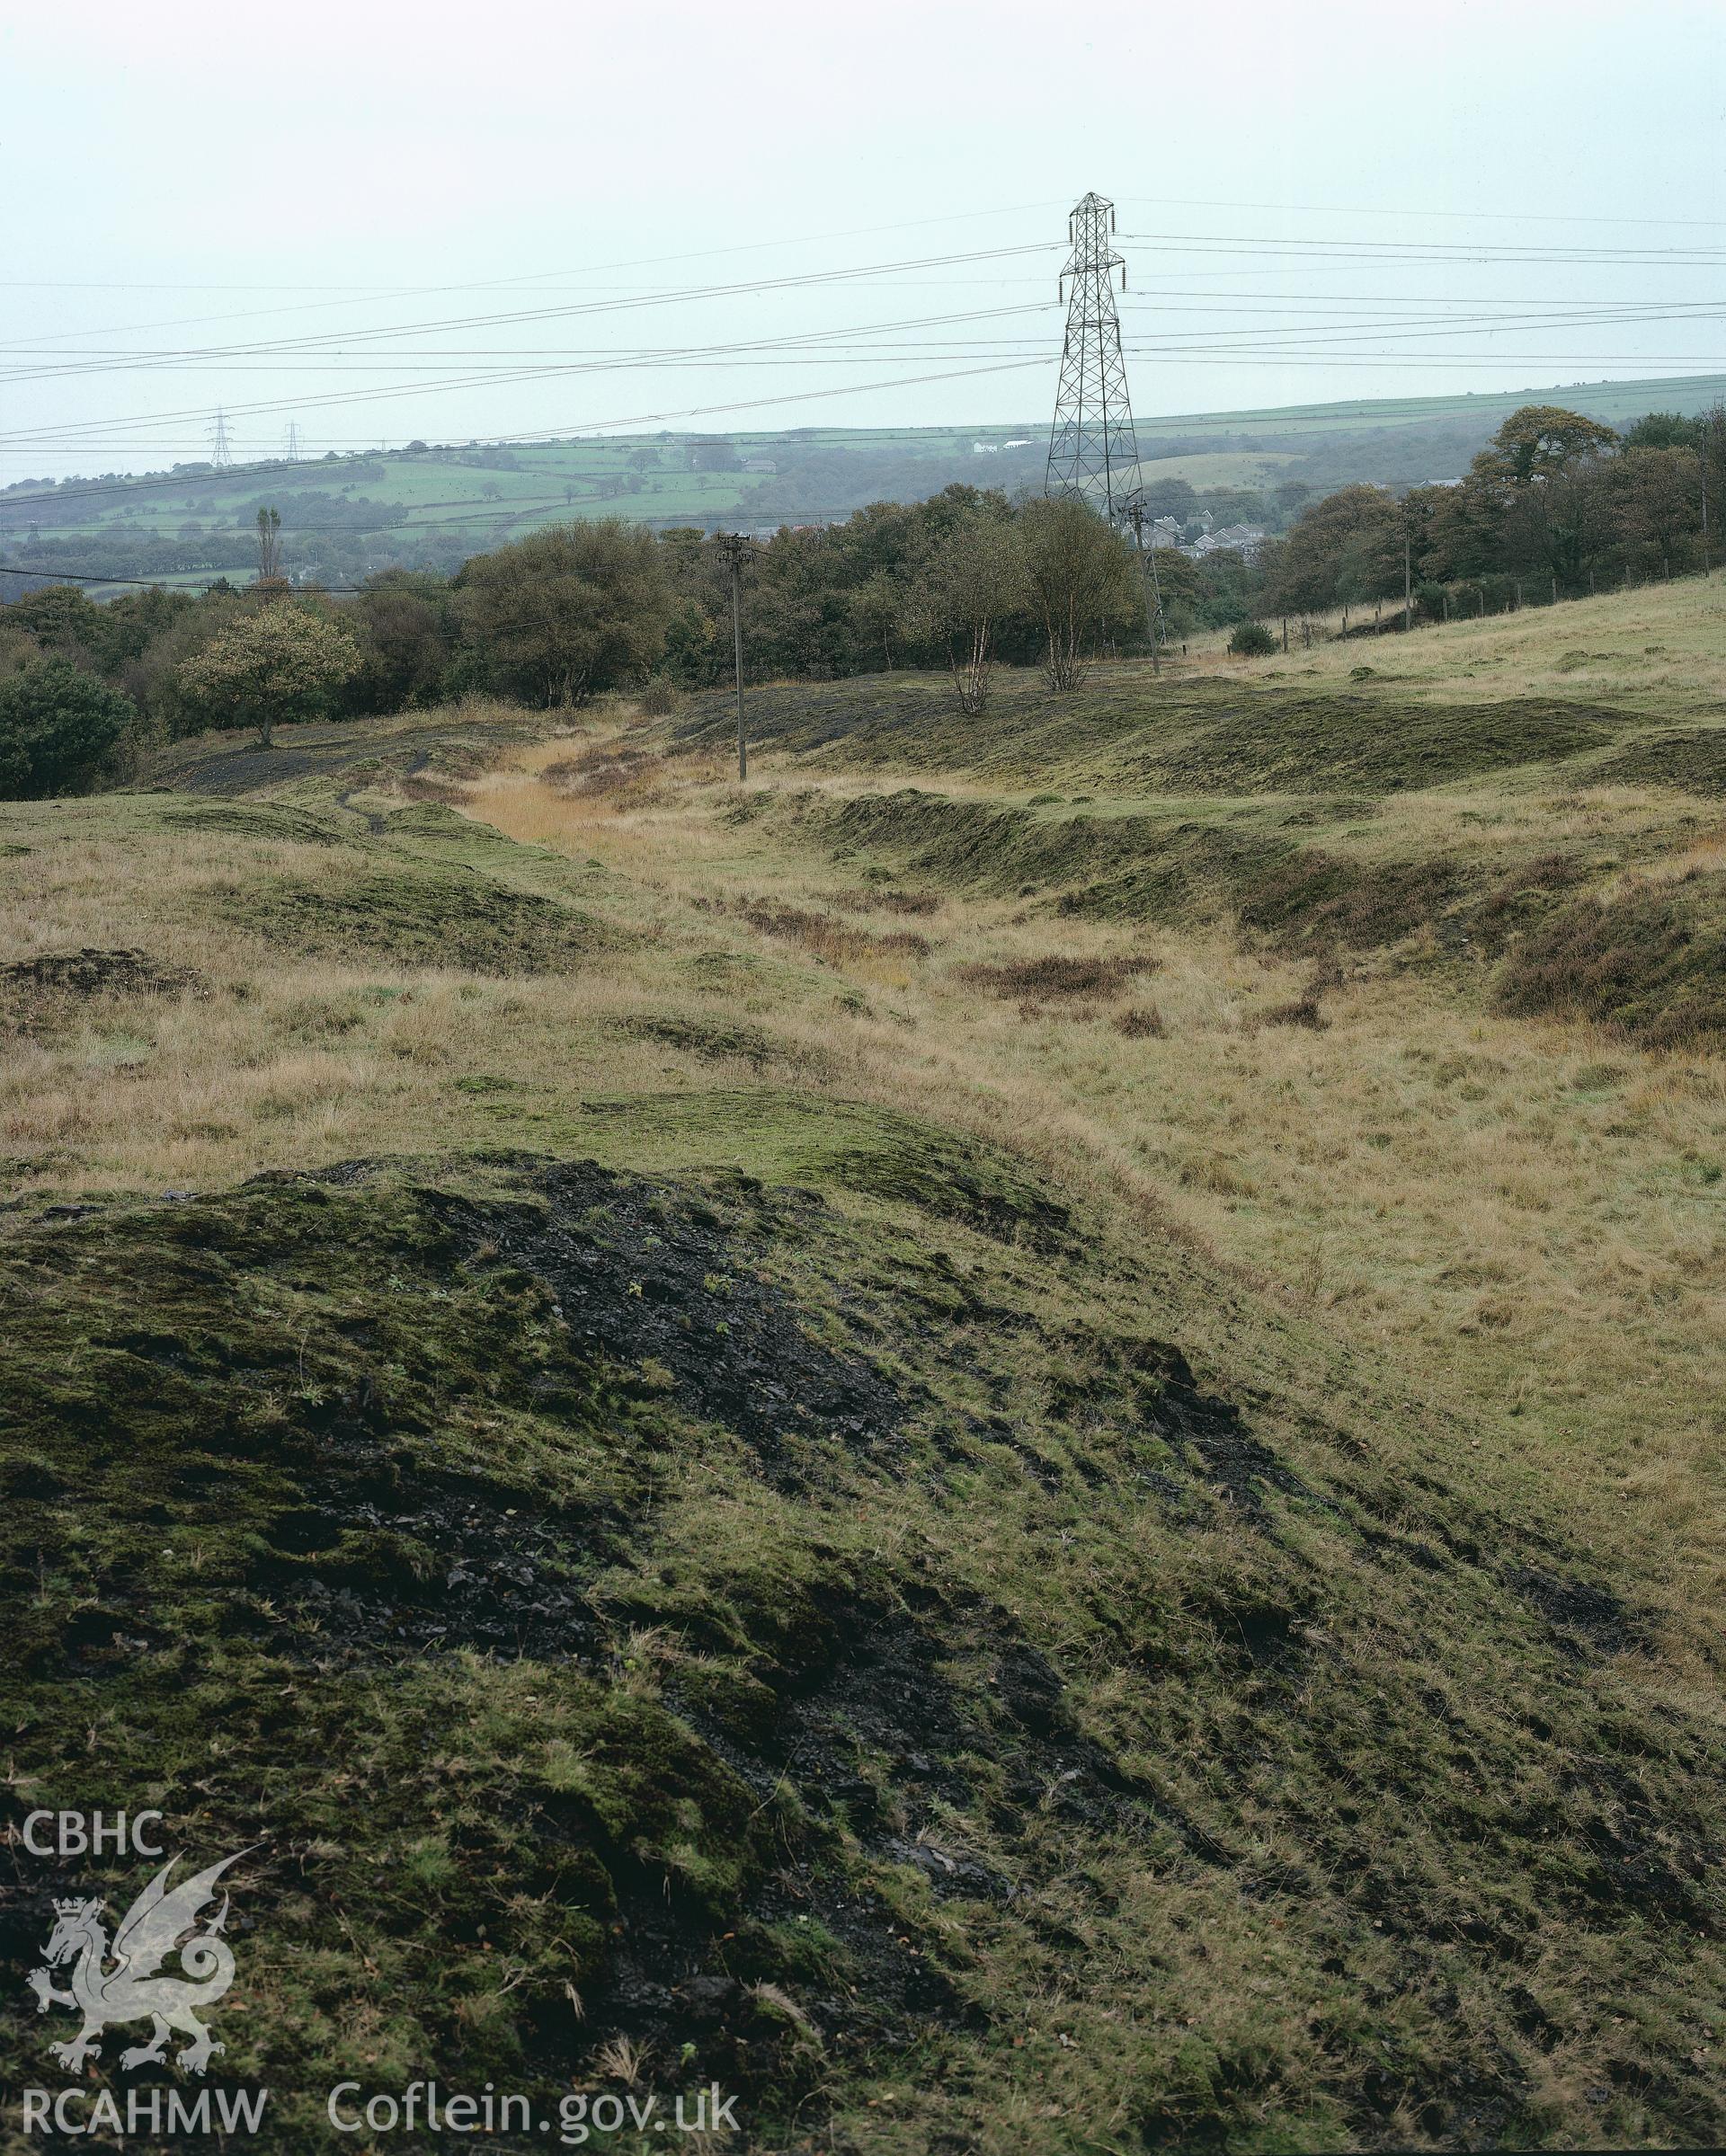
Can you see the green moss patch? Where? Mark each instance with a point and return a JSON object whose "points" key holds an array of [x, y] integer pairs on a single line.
{"points": [[1358, 745], [835, 1643], [414, 915], [264, 821], [1173, 736], [1695, 760]]}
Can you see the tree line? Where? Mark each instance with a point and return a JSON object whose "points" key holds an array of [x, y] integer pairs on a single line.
{"points": [[963, 581], [966, 580], [1555, 505]]}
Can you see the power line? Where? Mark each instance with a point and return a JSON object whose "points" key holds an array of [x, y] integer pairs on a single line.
{"points": [[629, 358], [1389, 320], [1432, 251], [748, 288], [538, 276], [698, 412], [1421, 215]]}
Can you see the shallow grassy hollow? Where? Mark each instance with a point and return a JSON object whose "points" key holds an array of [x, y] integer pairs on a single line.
{"points": [[1012, 1440]]}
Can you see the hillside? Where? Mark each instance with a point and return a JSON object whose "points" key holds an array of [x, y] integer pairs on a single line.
{"points": [[432, 506], [1013, 1440]]}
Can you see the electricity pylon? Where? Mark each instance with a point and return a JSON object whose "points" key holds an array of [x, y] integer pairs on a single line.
{"points": [[291, 441], [220, 454], [1093, 450]]}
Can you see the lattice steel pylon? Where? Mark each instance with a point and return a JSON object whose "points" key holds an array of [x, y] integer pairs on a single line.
{"points": [[1093, 450], [220, 454]]}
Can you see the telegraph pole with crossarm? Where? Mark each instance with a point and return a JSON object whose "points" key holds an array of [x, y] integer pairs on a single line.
{"points": [[1153, 628], [734, 550]]}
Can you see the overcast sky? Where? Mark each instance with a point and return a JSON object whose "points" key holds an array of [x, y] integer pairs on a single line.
{"points": [[1315, 202]]}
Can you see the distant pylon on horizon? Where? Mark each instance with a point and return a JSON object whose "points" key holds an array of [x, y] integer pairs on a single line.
{"points": [[1093, 449]]}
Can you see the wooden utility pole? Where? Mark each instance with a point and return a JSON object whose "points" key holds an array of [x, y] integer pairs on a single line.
{"points": [[1147, 586], [734, 548], [1407, 588], [1704, 461]]}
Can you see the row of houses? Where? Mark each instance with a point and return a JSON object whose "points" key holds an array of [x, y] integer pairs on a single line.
{"points": [[1244, 539]]}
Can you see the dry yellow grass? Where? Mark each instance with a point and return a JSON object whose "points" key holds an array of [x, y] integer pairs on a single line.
{"points": [[1522, 1218], [1519, 1217], [1666, 655]]}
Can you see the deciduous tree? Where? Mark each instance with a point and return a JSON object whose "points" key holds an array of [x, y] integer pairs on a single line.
{"points": [[279, 662], [569, 610], [971, 576], [1083, 581], [1539, 440], [57, 726]]}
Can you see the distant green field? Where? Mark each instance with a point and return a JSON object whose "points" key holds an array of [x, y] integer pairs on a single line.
{"points": [[1613, 402], [434, 503]]}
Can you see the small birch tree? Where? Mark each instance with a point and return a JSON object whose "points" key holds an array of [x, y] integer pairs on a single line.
{"points": [[1081, 579], [969, 578]]}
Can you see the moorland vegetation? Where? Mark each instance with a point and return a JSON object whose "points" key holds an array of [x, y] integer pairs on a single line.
{"points": [[1556, 506], [1013, 1438]]}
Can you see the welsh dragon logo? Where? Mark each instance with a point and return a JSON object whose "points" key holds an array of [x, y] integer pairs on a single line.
{"points": [[134, 1988]]}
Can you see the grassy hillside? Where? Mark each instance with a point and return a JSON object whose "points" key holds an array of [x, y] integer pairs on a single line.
{"points": [[441, 507], [1013, 1439], [434, 505]]}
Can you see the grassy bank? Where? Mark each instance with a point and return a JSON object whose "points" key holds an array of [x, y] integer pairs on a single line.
{"points": [[1013, 1438]]}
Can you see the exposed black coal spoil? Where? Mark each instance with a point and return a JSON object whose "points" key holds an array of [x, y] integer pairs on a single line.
{"points": [[644, 1273]]}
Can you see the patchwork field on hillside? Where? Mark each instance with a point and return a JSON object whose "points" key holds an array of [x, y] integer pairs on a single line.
{"points": [[1014, 1439]]}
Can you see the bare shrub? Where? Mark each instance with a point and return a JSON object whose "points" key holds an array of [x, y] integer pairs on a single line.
{"points": [[660, 698], [824, 934], [1302, 1011], [916, 902], [1056, 975], [603, 772], [421, 785]]}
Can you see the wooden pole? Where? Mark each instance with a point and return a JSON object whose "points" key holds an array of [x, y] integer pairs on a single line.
{"points": [[1136, 516], [733, 545]]}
